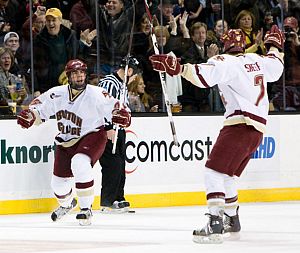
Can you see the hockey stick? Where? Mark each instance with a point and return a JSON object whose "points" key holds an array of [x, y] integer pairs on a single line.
{"points": [[123, 89], [162, 78]]}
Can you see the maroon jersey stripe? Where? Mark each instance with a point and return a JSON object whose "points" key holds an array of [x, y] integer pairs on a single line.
{"points": [[84, 185], [249, 115], [63, 196], [215, 195], [201, 77], [231, 200]]}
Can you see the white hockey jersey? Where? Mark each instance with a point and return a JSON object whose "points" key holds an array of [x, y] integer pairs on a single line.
{"points": [[242, 81], [76, 115]]}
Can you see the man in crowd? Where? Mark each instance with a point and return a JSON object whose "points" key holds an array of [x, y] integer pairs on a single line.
{"points": [[53, 47], [115, 22]]}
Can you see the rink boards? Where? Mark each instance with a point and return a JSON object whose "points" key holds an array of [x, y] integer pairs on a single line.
{"points": [[158, 173]]}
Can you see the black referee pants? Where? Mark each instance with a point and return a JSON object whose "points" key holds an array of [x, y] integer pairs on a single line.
{"points": [[113, 171]]}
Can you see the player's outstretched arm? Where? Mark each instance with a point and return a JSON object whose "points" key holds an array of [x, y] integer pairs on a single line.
{"points": [[166, 63], [122, 117], [27, 118]]}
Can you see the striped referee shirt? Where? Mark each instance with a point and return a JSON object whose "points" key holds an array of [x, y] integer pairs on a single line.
{"points": [[113, 84]]}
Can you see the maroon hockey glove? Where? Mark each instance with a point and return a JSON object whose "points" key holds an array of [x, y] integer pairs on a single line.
{"points": [[26, 118], [274, 37], [121, 117], [165, 63]]}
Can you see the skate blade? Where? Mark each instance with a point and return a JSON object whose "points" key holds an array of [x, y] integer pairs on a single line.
{"points": [[85, 222], [107, 210], [211, 239], [232, 236]]}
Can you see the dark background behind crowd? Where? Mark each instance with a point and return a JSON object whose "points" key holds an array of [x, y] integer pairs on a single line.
{"points": [[38, 37]]}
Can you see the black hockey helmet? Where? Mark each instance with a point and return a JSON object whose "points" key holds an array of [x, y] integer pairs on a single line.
{"points": [[132, 63]]}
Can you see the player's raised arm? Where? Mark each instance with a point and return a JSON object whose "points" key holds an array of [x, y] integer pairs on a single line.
{"points": [[274, 42]]}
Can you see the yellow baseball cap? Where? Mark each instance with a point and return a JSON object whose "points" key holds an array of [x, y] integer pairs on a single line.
{"points": [[54, 12]]}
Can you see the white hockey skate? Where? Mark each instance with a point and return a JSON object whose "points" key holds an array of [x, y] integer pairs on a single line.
{"points": [[211, 233], [84, 217], [62, 211]]}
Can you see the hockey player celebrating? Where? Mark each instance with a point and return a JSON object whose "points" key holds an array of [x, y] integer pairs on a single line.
{"points": [[79, 109], [242, 80]]}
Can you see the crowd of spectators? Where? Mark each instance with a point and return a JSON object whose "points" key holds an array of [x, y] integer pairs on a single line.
{"points": [[191, 29]]}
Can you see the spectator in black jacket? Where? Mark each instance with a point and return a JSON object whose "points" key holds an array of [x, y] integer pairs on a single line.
{"points": [[195, 99], [8, 12], [115, 19], [54, 46]]}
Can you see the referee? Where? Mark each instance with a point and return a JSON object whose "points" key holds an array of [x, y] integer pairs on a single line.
{"points": [[113, 165]]}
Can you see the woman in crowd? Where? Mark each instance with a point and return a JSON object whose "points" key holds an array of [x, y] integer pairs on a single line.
{"points": [[8, 91], [139, 100], [245, 20], [213, 36]]}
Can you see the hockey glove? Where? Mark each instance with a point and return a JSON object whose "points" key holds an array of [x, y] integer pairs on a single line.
{"points": [[165, 63], [26, 118], [121, 117], [274, 37]]}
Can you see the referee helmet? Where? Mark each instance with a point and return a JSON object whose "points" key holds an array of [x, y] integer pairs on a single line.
{"points": [[132, 63]]}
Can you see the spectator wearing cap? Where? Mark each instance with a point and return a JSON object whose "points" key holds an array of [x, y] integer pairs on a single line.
{"points": [[291, 30], [65, 6], [12, 41], [291, 68], [53, 47]]}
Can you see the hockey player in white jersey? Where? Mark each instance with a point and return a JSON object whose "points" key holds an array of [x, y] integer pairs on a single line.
{"points": [[242, 81], [79, 109]]}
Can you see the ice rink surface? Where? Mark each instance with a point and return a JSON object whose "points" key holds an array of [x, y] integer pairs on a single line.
{"points": [[266, 228]]}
